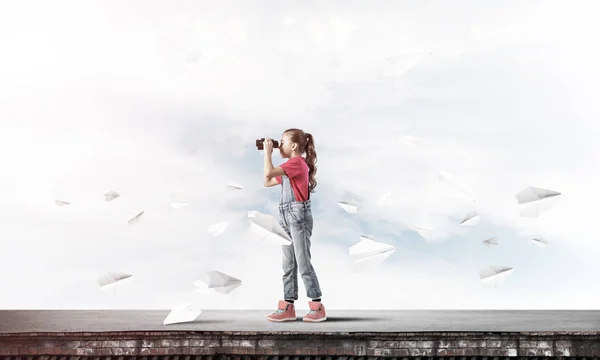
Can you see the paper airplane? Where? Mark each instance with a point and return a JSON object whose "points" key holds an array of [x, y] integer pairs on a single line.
{"points": [[61, 203], [369, 250], [112, 278], [425, 232], [202, 287], [182, 313], [541, 242], [458, 183], [178, 204], [110, 196], [534, 201], [399, 65], [350, 206], [495, 275], [218, 228], [221, 282], [491, 242], [386, 199], [234, 186], [409, 141], [266, 229], [472, 218], [135, 219]]}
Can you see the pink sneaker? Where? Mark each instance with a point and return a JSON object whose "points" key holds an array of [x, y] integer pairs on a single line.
{"points": [[285, 312], [316, 313]]}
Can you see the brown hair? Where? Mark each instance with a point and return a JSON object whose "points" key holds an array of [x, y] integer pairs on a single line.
{"points": [[306, 144]]}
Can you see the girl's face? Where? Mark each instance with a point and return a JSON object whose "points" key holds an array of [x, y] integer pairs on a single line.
{"points": [[285, 146]]}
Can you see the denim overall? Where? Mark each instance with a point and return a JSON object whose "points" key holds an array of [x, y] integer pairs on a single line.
{"points": [[295, 217]]}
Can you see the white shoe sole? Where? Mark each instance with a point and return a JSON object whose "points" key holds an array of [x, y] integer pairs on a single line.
{"points": [[319, 320], [281, 320]]}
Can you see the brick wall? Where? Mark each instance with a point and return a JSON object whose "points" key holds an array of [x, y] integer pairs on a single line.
{"points": [[326, 346]]}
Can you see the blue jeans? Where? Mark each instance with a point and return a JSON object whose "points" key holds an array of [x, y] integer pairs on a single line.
{"points": [[296, 219]]}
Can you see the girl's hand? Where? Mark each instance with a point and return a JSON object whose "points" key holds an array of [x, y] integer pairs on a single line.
{"points": [[268, 146]]}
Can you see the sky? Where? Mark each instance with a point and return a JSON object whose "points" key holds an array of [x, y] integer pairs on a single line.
{"points": [[159, 100]]}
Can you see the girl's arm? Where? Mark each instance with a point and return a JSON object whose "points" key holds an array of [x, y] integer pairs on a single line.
{"points": [[270, 182], [270, 170]]}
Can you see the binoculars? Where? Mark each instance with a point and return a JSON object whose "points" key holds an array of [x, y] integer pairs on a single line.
{"points": [[259, 144]]}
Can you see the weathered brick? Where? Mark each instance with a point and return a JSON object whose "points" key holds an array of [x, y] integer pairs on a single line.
{"points": [[443, 344], [204, 343], [110, 344], [425, 344], [265, 343], [128, 343], [125, 351], [563, 343], [202, 351]]}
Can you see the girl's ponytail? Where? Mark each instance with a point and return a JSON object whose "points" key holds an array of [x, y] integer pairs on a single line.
{"points": [[311, 161]]}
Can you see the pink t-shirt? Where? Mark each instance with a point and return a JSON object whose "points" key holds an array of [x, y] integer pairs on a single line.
{"points": [[297, 170]]}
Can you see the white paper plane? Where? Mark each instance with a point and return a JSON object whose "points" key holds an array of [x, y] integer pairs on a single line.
{"points": [[218, 228], [472, 218], [401, 64], [110, 196], [112, 278], [424, 231], [386, 199], [409, 141], [350, 206], [61, 203], [369, 249], [234, 186], [491, 242], [533, 202], [541, 242], [202, 287], [178, 204], [266, 229], [458, 182], [135, 219], [495, 275], [222, 282], [183, 313]]}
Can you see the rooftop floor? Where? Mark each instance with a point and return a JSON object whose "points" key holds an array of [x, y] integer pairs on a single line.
{"points": [[17, 321]]}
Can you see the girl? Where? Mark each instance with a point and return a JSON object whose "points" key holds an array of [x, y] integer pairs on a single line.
{"points": [[297, 177]]}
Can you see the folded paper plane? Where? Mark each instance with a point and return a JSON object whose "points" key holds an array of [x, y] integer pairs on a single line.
{"points": [[61, 203], [541, 242], [221, 282], [112, 278], [495, 275], [110, 196], [266, 229], [386, 199], [234, 186], [534, 201], [218, 228], [350, 206], [135, 219], [472, 218], [426, 232], [458, 183], [491, 242], [178, 204], [183, 313], [369, 250]]}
